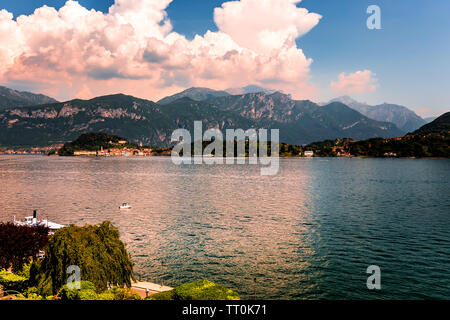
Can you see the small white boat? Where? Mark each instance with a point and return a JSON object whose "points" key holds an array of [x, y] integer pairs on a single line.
{"points": [[125, 206], [34, 222]]}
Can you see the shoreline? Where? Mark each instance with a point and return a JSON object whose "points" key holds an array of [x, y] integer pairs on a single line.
{"points": [[168, 156]]}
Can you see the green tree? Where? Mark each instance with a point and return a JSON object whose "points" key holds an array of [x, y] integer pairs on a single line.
{"points": [[98, 252]]}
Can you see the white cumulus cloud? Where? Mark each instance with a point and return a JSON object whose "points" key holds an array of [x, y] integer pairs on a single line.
{"points": [[264, 25], [358, 82], [133, 49]]}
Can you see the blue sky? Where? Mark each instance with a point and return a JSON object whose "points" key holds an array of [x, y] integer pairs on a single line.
{"points": [[410, 55]]}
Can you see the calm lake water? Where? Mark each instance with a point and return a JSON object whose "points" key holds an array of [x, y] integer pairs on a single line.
{"points": [[309, 232]]}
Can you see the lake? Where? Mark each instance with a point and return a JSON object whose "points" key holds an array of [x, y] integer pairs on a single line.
{"points": [[309, 232]]}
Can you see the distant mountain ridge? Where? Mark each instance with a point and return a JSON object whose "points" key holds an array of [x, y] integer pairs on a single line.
{"points": [[202, 94], [10, 98], [249, 89], [149, 123], [404, 118], [196, 94], [138, 120], [302, 121], [441, 125], [430, 119]]}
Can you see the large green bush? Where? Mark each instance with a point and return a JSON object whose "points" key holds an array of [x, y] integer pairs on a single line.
{"points": [[199, 290], [118, 294], [165, 295], [86, 291], [13, 282]]}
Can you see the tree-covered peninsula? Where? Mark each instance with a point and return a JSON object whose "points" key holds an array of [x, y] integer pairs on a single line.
{"points": [[95, 141]]}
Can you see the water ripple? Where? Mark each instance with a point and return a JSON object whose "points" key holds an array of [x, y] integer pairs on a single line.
{"points": [[308, 233]]}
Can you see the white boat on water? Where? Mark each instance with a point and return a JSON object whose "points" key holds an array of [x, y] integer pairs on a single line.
{"points": [[125, 206], [32, 221]]}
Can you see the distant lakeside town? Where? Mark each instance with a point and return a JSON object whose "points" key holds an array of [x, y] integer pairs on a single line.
{"points": [[29, 150], [424, 145]]}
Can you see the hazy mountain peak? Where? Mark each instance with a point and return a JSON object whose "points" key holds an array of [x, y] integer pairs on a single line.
{"points": [[198, 89], [194, 93], [404, 118], [430, 119], [10, 98], [347, 100], [249, 89]]}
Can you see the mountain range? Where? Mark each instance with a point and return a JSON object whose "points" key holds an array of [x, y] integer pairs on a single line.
{"points": [[302, 121], [10, 98], [140, 121], [149, 123], [404, 118]]}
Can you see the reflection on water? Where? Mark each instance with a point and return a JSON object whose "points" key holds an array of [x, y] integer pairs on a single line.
{"points": [[309, 232]]}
